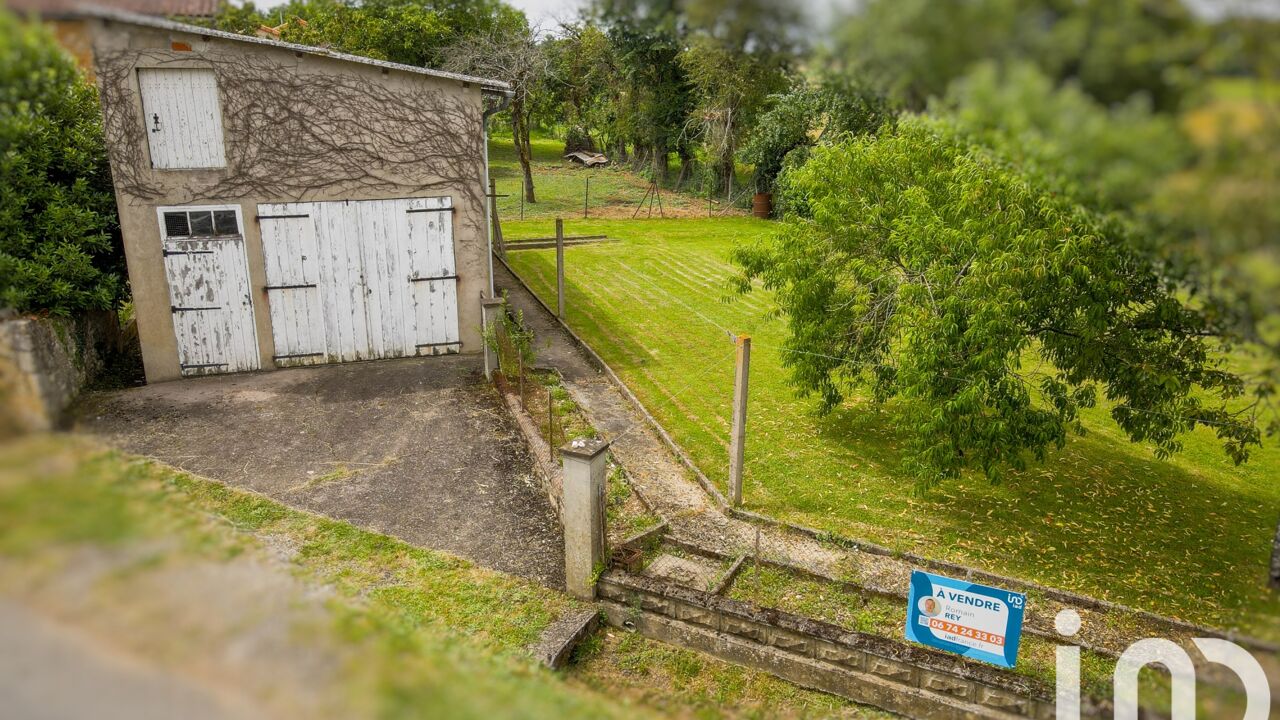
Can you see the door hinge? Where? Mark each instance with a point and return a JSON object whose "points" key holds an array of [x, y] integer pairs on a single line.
{"points": [[425, 210], [278, 217], [167, 253], [439, 344], [176, 309], [288, 287], [202, 365], [441, 277], [296, 355]]}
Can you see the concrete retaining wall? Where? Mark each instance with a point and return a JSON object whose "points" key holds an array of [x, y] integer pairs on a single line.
{"points": [[549, 473], [866, 668], [44, 365]]}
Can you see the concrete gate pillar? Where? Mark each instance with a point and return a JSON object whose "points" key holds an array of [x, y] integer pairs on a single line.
{"points": [[489, 309], [582, 512]]}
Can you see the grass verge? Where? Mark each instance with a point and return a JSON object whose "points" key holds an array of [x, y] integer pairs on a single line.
{"points": [[416, 633]]}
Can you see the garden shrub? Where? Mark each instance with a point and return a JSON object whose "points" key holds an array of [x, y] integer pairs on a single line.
{"points": [[59, 240]]}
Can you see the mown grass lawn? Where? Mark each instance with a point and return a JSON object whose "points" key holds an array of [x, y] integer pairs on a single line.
{"points": [[560, 187], [1188, 537]]}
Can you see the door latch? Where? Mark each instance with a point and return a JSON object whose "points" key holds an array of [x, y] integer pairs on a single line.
{"points": [[155, 118]]}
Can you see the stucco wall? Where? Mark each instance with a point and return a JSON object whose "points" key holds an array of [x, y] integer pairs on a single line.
{"points": [[297, 127]]}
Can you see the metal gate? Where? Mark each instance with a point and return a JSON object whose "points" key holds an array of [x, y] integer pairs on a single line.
{"points": [[358, 280]]}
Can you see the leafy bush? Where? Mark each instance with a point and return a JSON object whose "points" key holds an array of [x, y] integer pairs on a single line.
{"points": [[806, 115], [58, 241], [987, 308], [782, 129]]}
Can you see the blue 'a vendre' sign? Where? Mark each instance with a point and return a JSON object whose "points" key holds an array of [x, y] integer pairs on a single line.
{"points": [[976, 621]]}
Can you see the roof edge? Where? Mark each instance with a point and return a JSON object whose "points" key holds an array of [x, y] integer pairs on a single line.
{"points": [[132, 18]]}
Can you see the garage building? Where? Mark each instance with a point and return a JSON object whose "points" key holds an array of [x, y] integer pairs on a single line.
{"points": [[286, 205]]}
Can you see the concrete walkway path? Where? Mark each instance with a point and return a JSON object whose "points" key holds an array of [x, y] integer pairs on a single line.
{"points": [[696, 519], [50, 671]]}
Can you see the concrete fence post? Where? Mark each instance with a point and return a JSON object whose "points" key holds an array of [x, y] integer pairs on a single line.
{"points": [[489, 309], [582, 511], [738, 435], [559, 268]]}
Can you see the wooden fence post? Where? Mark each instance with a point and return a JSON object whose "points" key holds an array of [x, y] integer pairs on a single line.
{"points": [[559, 268], [738, 438]]}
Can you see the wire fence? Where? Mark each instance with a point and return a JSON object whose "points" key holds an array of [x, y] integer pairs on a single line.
{"points": [[609, 193]]}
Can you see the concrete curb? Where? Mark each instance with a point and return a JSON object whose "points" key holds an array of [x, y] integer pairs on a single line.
{"points": [[886, 672]]}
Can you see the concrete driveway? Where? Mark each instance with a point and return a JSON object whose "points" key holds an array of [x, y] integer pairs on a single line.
{"points": [[418, 448]]}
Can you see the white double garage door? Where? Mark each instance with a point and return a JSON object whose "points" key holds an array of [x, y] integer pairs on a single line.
{"points": [[345, 281]]}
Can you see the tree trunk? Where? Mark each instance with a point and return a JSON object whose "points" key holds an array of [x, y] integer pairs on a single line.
{"points": [[661, 161], [520, 136], [619, 151], [686, 167], [724, 172], [639, 159]]}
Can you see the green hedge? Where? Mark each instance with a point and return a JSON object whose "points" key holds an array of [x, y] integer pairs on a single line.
{"points": [[59, 241]]}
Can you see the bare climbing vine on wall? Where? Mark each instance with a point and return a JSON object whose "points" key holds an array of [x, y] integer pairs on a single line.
{"points": [[294, 134]]}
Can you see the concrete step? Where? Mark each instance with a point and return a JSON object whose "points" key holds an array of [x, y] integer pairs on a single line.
{"points": [[556, 645]]}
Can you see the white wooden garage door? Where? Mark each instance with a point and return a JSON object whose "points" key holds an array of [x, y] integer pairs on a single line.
{"points": [[209, 296], [359, 280]]}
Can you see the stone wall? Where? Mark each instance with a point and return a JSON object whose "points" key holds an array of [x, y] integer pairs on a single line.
{"points": [[45, 363], [870, 669]]}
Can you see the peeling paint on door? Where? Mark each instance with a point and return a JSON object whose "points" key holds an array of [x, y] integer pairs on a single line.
{"points": [[211, 305]]}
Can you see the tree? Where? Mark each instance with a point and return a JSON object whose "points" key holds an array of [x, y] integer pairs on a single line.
{"points": [[404, 31], [807, 115], [509, 52], [59, 242], [1113, 49], [988, 309], [913, 49], [656, 97], [1105, 157], [583, 89], [739, 52]]}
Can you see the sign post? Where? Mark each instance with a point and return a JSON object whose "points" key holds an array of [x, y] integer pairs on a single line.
{"points": [[976, 621]]}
